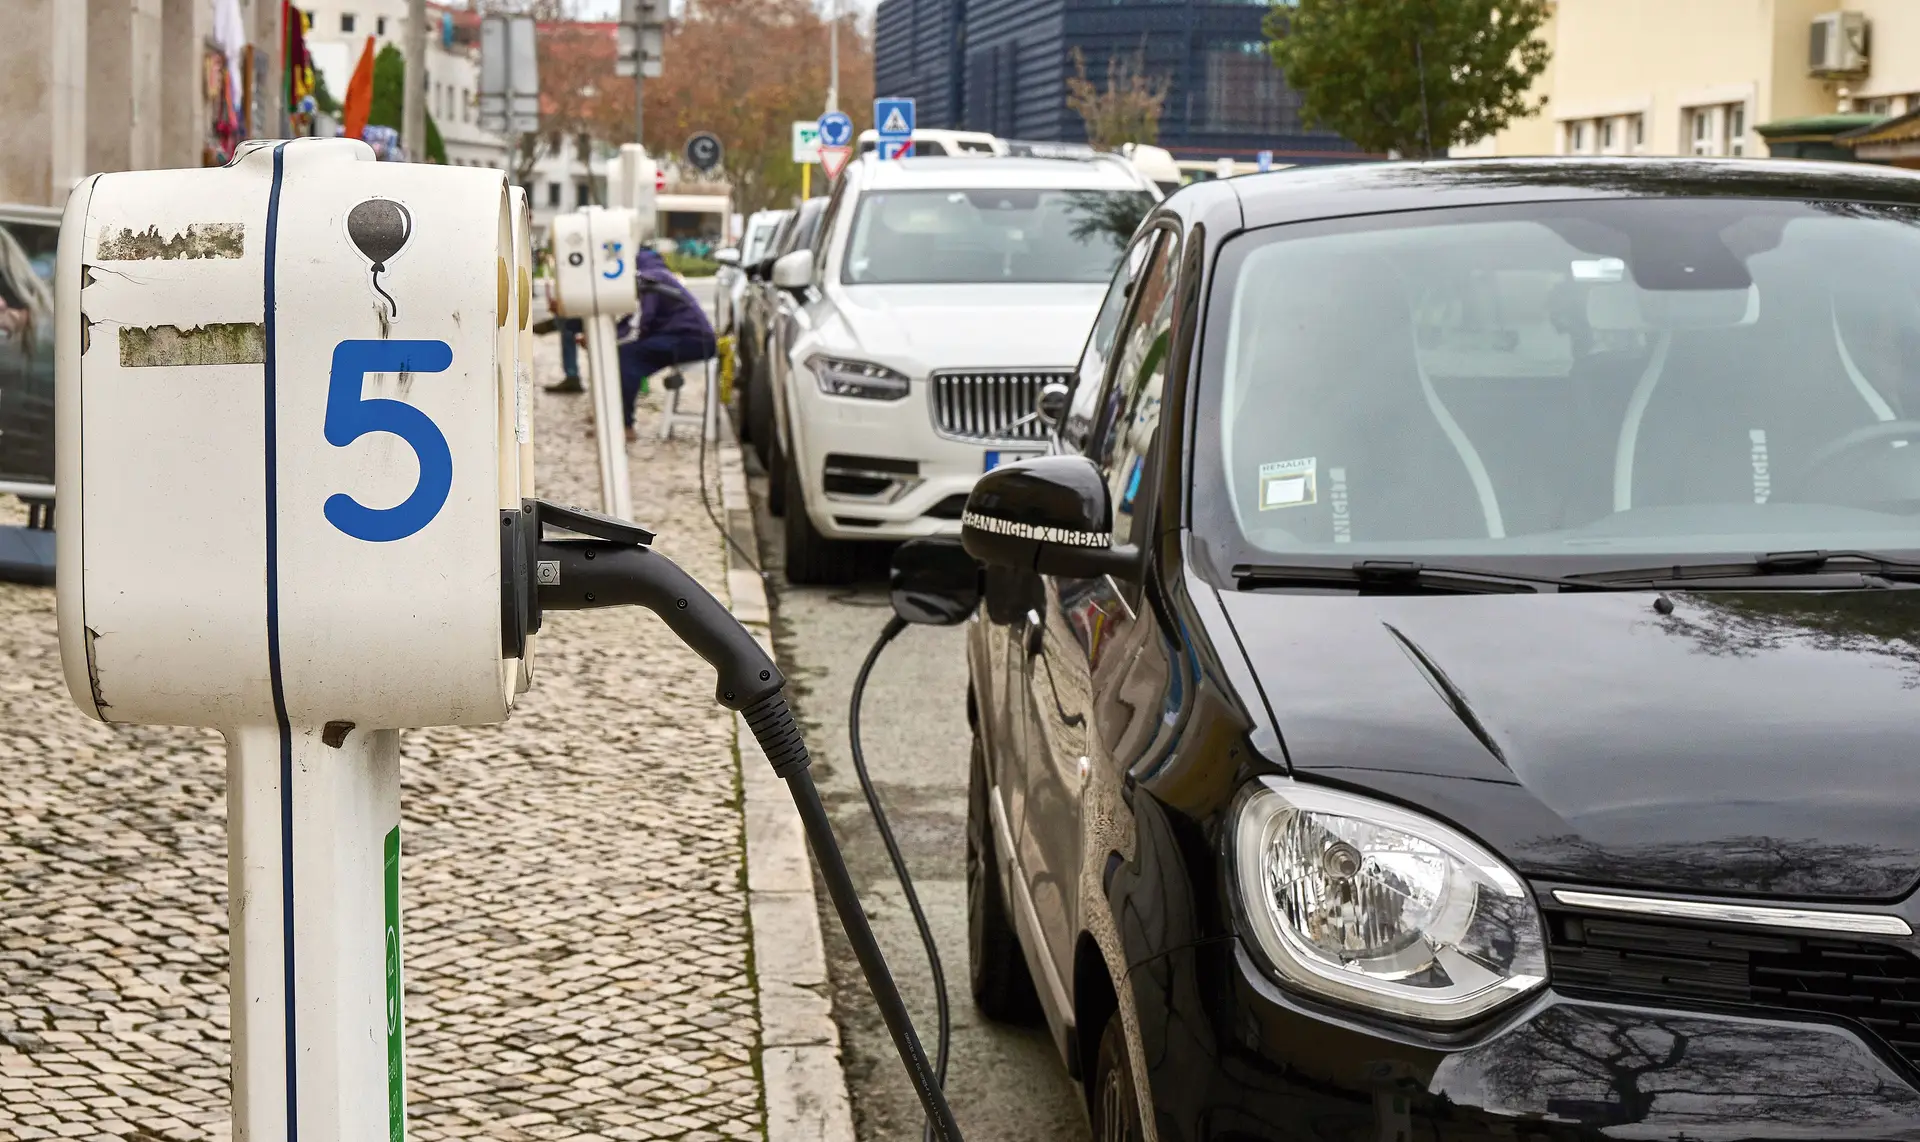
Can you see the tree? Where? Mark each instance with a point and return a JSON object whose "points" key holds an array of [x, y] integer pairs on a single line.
{"points": [[743, 69], [1127, 109], [389, 87], [1412, 76]]}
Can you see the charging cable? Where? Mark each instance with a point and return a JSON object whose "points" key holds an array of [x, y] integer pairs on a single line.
{"points": [[891, 631]]}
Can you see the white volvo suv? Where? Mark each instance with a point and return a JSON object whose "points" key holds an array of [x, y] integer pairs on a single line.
{"points": [[943, 306]]}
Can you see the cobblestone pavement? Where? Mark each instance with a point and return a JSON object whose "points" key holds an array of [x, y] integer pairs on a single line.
{"points": [[577, 945]]}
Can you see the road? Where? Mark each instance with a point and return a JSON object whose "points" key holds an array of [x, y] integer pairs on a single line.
{"points": [[1006, 1084]]}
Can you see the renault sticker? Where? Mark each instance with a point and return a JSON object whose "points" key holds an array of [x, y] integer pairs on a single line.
{"points": [[1288, 484]]}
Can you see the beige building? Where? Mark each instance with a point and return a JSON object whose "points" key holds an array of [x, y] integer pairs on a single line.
{"points": [[105, 85], [1696, 77]]}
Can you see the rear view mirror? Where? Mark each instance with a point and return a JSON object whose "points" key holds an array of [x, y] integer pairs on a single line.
{"points": [[794, 270], [727, 257], [1051, 514], [934, 582]]}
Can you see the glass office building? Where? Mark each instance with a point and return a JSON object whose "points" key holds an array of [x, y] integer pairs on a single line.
{"points": [[1002, 66]]}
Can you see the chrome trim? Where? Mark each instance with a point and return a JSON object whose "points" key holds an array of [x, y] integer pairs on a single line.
{"points": [[991, 406], [1764, 915]]}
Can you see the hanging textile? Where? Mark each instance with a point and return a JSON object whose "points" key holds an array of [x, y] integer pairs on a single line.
{"points": [[358, 104], [298, 69]]}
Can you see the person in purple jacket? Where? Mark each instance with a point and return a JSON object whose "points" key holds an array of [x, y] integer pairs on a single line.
{"points": [[672, 330]]}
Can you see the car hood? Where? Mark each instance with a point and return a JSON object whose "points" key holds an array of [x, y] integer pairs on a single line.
{"points": [[1763, 742], [926, 327]]}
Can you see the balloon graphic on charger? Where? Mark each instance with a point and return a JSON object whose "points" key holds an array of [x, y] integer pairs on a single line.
{"points": [[381, 229]]}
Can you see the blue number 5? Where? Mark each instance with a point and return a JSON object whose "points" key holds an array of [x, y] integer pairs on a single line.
{"points": [[349, 417]]}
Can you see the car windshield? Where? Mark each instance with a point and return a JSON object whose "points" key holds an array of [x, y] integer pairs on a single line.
{"points": [[903, 237], [757, 238], [1593, 379]]}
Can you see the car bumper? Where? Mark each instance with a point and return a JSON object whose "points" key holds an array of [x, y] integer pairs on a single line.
{"points": [[874, 469], [1228, 1055]]}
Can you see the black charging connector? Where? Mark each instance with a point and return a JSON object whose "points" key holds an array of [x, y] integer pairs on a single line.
{"points": [[614, 566]]}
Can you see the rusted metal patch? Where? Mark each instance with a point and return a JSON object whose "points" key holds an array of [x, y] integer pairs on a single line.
{"points": [[199, 240], [231, 343]]}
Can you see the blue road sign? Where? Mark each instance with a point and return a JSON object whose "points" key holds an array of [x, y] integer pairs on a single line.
{"points": [[893, 119], [1266, 161], [836, 129]]}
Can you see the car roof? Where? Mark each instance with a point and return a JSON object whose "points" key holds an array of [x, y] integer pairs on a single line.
{"points": [[997, 173], [1300, 193]]}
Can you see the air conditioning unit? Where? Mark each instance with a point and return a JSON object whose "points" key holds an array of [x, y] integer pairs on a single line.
{"points": [[1838, 46]]}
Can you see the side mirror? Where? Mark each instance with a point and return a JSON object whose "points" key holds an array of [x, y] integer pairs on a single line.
{"points": [[794, 270], [1053, 403], [727, 257], [1051, 514], [934, 582]]}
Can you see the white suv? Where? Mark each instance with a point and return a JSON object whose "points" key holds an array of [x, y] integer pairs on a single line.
{"points": [[943, 301]]}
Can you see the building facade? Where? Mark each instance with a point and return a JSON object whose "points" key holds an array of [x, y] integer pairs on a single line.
{"points": [[1659, 77], [1002, 66]]}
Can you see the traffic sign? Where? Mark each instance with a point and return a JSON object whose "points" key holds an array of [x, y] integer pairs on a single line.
{"points": [[704, 151], [1265, 160], [836, 129], [806, 142], [893, 121], [834, 160]]}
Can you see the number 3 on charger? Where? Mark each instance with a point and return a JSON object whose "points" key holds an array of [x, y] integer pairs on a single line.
{"points": [[350, 416]]}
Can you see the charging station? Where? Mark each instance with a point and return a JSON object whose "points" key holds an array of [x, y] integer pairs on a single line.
{"points": [[293, 464], [282, 469], [594, 281]]}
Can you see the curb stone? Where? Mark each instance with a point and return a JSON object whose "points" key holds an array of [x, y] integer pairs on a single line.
{"points": [[801, 1072]]}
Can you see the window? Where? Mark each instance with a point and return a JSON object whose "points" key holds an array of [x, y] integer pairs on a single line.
{"points": [[1576, 137], [553, 194], [466, 106], [583, 194], [346, 21], [1016, 235], [1639, 131], [1132, 400], [583, 147], [1717, 130], [1241, 92], [1702, 130], [1092, 373], [1606, 136], [1736, 115], [380, 26], [1880, 105]]}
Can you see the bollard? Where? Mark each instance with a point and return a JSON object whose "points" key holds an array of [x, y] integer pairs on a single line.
{"points": [[594, 281], [290, 494]]}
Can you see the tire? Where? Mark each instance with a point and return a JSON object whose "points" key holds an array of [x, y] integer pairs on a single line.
{"points": [[996, 967], [760, 410], [812, 558], [777, 480], [1113, 1105], [742, 397]]}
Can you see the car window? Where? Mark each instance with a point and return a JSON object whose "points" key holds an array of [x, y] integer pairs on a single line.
{"points": [[1091, 376], [1647, 377], [809, 226], [981, 235], [827, 220], [1132, 413]]}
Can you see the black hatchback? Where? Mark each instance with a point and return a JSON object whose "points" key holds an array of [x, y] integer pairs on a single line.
{"points": [[1458, 674]]}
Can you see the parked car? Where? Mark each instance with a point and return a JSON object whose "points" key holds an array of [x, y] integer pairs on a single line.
{"points": [[943, 297], [1453, 675], [941, 143], [730, 280], [761, 304]]}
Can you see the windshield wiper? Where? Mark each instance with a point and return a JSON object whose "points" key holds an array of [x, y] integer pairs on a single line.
{"points": [[1391, 573], [1812, 562]]}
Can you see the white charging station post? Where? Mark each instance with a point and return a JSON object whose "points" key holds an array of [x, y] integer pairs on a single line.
{"points": [[285, 461], [594, 281]]}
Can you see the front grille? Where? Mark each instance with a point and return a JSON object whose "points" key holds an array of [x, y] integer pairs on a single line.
{"points": [[991, 406], [1874, 985]]}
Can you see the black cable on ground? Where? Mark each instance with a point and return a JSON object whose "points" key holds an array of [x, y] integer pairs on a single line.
{"points": [[706, 501], [892, 630]]}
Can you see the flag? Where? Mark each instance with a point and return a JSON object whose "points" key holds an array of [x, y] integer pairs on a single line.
{"points": [[358, 103]]}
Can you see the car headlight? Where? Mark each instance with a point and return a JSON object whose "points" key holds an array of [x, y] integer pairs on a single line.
{"points": [[1365, 903], [841, 378]]}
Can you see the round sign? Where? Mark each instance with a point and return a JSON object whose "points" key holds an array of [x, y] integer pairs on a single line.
{"points": [[836, 129], [703, 151]]}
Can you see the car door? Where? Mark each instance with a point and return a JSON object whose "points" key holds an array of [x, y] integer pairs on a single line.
{"points": [[788, 318], [1078, 626]]}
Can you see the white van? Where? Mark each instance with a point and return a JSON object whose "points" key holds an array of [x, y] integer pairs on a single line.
{"points": [[935, 142]]}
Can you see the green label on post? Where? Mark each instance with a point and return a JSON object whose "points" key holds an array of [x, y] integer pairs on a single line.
{"points": [[396, 1069]]}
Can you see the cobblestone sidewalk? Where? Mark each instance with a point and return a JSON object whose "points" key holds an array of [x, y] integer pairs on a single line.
{"points": [[576, 928]]}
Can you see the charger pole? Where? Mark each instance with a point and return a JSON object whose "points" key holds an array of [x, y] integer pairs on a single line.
{"points": [[413, 97]]}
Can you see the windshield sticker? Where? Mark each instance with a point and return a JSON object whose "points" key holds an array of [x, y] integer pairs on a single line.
{"points": [[1337, 496], [1599, 270], [1762, 470], [1288, 484]]}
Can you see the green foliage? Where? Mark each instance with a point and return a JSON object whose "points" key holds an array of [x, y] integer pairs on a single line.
{"points": [[1127, 109], [322, 98], [1412, 76], [689, 266], [389, 87]]}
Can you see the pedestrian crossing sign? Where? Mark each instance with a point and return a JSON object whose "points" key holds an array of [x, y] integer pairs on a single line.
{"points": [[896, 123], [893, 122]]}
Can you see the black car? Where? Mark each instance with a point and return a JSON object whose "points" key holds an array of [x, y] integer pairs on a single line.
{"points": [[759, 309], [1458, 674]]}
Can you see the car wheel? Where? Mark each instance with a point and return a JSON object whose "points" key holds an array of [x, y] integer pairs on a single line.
{"points": [[997, 969], [1115, 1108], [743, 399], [777, 479], [811, 557], [760, 410]]}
